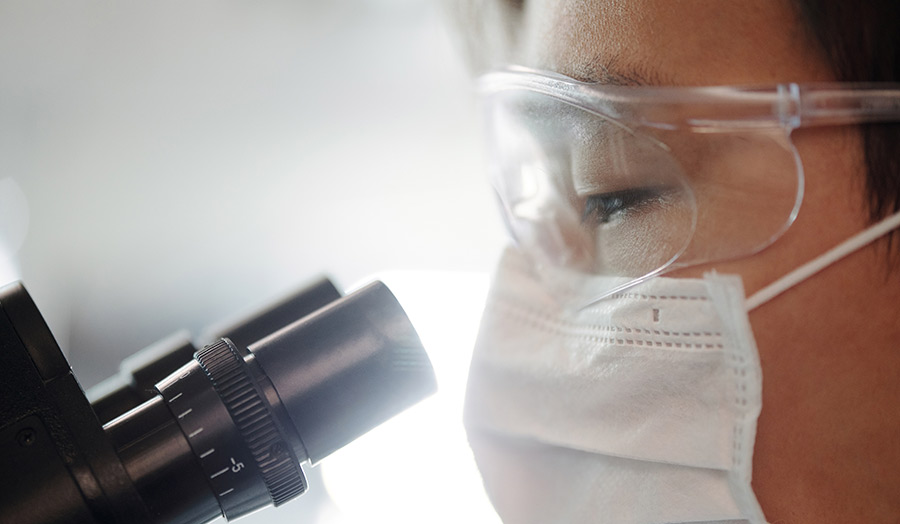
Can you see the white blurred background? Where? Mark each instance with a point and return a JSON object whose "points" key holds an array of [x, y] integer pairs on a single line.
{"points": [[166, 164]]}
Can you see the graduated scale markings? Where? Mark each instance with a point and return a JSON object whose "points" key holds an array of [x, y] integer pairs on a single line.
{"points": [[235, 466]]}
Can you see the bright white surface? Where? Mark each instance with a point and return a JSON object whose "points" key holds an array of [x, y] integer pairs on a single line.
{"points": [[418, 467]]}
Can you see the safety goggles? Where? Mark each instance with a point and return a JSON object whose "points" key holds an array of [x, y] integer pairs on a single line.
{"points": [[632, 182]]}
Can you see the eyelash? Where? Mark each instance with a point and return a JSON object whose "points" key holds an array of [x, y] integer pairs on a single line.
{"points": [[601, 208]]}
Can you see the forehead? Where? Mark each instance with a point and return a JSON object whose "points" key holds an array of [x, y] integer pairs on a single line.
{"points": [[669, 42]]}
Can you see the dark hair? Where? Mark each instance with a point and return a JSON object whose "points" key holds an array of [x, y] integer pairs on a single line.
{"points": [[861, 41]]}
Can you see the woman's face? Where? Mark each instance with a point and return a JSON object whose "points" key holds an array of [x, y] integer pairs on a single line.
{"points": [[699, 42], [814, 384]]}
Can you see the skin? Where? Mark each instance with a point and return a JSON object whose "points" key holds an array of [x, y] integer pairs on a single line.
{"points": [[826, 448]]}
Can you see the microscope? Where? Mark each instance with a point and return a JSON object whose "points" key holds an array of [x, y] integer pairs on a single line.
{"points": [[185, 434]]}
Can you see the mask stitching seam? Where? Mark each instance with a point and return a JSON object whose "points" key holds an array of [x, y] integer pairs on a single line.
{"points": [[549, 324], [738, 365], [642, 296], [745, 495], [568, 294]]}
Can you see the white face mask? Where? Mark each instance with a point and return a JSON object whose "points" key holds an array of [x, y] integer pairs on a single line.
{"points": [[640, 408]]}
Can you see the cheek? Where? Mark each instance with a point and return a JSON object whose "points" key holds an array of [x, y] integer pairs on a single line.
{"points": [[746, 188], [833, 209]]}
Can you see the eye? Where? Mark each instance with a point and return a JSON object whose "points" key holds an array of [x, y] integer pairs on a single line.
{"points": [[606, 207]]}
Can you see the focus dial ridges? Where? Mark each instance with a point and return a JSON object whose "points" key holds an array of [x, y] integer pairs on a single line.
{"points": [[280, 470]]}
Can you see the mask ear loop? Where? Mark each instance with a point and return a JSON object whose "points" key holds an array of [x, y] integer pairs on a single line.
{"points": [[819, 263]]}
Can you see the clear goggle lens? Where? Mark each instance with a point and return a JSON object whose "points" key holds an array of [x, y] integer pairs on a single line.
{"points": [[601, 190]]}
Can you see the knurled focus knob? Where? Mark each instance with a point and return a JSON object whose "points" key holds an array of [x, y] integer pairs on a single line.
{"points": [[253, 417]]}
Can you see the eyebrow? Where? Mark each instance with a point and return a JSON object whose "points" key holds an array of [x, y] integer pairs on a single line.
{"points": [[612, 70]]}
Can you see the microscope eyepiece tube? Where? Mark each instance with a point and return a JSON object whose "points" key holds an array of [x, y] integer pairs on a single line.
{"points": [[251, 416], [346, 368], [224, 434], [139, 373]]}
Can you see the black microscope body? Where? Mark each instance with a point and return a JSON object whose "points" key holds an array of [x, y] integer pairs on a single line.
{"points": [[190, 434]]}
